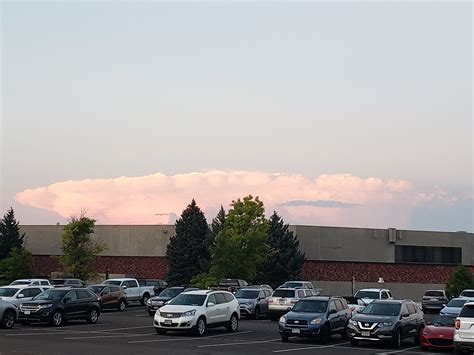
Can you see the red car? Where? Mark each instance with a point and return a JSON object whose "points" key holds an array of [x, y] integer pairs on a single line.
{"points": [[439, 334]]}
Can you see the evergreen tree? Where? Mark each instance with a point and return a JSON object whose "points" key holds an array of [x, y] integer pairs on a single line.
{"points": [[188, 252], [10, 236], [17, 265], [285, 261], [460, 279], [217, 225]]}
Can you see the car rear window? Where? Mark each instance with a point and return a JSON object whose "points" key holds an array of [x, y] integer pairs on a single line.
{"points": [[284, 293], [467, 311], [467, 293], [434, 293], [228, 297]]}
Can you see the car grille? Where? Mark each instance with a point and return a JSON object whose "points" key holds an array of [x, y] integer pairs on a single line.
{"points": [[296, 323], [172, 325], [367, 325], [441, 342], [170, 315], [29, 307]]}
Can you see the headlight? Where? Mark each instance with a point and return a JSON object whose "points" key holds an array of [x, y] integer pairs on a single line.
{"points": [[315, 321], [148, 302], [282, 320], [385, 324], [189, 313], [352, 322], [47, 305]]}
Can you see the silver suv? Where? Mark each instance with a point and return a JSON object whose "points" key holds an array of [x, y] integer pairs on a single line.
{"points": [[284, 298], [253, 301]]}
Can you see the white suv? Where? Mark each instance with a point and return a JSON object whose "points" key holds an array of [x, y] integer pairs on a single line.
{"points": [[197, 311], [20, 293], [464, 329], [369, 295], [32, 282]]}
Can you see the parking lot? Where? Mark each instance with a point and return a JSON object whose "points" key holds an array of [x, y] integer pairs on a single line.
{"points": [[132, 332]]}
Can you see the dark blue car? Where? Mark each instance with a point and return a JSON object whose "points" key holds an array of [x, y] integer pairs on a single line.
{"points": [[316, 316]]}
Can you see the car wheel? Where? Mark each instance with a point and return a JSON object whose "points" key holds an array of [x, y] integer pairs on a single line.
{"points": [[397, 339], [200, 327], [121, 306], [256, 313], [57, 318], [417, 336], [344, 334], [285, 338], [326, 334], [8, 319], [160, 331], [93, 316], [233, 324], [354, 342], [145, 298]]}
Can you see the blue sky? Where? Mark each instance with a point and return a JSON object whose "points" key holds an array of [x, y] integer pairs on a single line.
{"points": [[99, 90]]}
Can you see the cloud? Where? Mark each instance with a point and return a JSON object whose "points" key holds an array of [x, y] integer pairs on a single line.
{"points": [[158, 198]]}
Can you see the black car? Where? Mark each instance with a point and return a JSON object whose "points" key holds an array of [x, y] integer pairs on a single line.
{"points": [[154, 303], [387, 320], [61, 304]]}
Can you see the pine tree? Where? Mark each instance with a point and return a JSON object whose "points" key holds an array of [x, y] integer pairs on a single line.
{"points": [[10, 236], [285, 261], [217, 225], [188, 252]]}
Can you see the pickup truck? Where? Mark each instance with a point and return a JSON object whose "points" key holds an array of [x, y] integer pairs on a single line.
{"points": [[133, 290]]}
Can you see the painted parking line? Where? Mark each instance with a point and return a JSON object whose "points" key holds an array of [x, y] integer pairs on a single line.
{"points": [[127, 328], [123, 335], [309, 348], [398, 351], [188, 339], [236, 343]]}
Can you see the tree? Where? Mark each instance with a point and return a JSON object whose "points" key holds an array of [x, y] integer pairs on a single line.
{"points": [[460, 279], [79, 248], [217, 225], [241, 245], [187, 251], [17, 265], [285, 261], [10, 236]]}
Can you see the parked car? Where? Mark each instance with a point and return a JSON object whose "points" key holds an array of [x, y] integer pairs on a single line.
{"points": [[355, 304], [454, 306], [8, 314], [467, 293], [133, 291], [67, 283], [156, 302], [20, 293], [439, 334], [32, 282], [61, 304], [253, 301], [111, 296], [464, 329], [284, 298], [370, 294], [387, 320], [231, 285], [433, 300], [297, 284], [158, 285], [197, 311], [315, 316]]}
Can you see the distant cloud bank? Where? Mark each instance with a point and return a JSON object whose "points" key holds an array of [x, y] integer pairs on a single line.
{"points": [[338, 199]]}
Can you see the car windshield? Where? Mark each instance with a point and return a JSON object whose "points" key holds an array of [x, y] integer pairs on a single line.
{"points": [[293, 284], [188, 300], [247, 294], [51, 295], [20, 283], [434, 293], [382, 309], [8, 292], [96, 289], [113, 282], [171, 292], [373, 295], [58, 282], [310, 306], [444, 321], [467, 293], [456, 303], [284, 293]]}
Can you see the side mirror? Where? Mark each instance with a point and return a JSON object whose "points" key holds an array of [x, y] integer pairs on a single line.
{"points": [[21, 295], [404, 315], [67, 299], [332, 311], [124, 287], [211, 304]]}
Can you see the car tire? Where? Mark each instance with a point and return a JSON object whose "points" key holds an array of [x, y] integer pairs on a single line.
{"points": [[57, 318], [122, 305], [354, 342], [151, 313], [326, 334], [424, 348], [200, 327], [160, 331], [344, 334], [256, 313], [397, 339], [233, 324], [285, 338], [8, 319], [145, 298], [93, 315], [417, 336]]}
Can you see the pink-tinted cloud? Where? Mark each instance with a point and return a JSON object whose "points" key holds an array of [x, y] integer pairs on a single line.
{"points": [[339, 199]]}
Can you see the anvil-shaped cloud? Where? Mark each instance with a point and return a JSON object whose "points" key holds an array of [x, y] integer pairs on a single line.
{"points": [[339, 199]]}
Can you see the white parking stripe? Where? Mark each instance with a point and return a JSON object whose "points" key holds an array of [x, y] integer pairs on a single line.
{"points": [[188, 339], [398, 351], [123, 335], [111, 330], [238, 343], [309, 348]]}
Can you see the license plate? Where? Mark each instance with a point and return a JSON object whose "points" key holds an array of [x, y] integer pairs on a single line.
{"points": [[168, 321], [281, 301], [296, 331], [26, 312], [366, 334], [433, 299]]}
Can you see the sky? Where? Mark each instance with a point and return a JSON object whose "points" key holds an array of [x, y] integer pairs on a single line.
{"points": [[334, 113]]}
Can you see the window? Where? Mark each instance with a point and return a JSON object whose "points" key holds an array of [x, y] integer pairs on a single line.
{"points": [[228, 297], [31, 292], [267, 293], [332, 306], [42, 283], [467, 311], [428, 255], [404, 309], [384, 295], [131, 284], [82, 294], [220, 298], [308, 292], [71, 295], [114, 289], [74, 282], [411, 308], [301, 294], [106, 290], [211, 299], [344, 303], [339, 305]]}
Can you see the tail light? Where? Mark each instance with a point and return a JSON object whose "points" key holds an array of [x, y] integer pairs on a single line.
{"points": [[457, 324], [293, 301], [270, 300]]}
